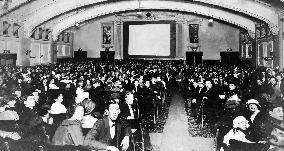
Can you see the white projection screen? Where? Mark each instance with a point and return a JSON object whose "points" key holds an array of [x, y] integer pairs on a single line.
{"points": [[149, 40]]}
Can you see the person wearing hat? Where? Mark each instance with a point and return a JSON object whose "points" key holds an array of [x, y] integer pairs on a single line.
{"points": [[256, 117]]}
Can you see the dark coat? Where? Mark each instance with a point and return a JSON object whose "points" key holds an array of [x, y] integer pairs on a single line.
{"points": [[99, 137], [256, 127], [125, 111], [68, 133], [212, 97]]}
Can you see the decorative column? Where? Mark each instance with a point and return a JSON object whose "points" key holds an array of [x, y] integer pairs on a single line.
{"points": [[184, 39], [280, 50], [179, 39], [118, 39]]}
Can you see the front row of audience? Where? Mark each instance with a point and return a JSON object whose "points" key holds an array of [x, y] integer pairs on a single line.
{"points": [[77, 125], [257, 131]]}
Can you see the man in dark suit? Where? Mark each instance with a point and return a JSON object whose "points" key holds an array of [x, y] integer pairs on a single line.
{"points": [[280, 83], [96, 95], [128, 111], [110, 133], [210, 97]]}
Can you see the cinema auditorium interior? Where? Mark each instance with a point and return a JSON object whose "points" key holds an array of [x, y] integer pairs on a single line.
{"points": [[141, 75]]}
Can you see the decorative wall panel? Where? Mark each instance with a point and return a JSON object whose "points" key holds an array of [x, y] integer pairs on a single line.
{"points": [[59, 50], [13, 46], [45, 53], [67, 51], [35, 54], [2, 46]]}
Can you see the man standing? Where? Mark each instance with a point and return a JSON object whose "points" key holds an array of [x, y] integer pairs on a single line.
{"points": [[110, 133]]}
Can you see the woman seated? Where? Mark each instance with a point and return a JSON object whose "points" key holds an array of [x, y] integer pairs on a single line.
{"points": [[8, 119], [256, 119], [43, 130], [52, 85], [7, 111], [58, 110], [70, 131]]}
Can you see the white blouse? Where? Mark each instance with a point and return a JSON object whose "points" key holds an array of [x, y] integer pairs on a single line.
{"points": [[236, 135], [57, 108]]}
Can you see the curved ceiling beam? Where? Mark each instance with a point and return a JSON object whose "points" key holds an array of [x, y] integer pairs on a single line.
{"points": [[14, 5], [100, 10], [61, 6], [41, 15], [267, 14]]}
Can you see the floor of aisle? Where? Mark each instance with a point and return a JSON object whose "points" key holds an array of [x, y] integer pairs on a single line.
{"points": [[175, 136]]}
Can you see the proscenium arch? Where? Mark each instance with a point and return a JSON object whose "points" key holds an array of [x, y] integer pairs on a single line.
{"points": [[123, 6]]}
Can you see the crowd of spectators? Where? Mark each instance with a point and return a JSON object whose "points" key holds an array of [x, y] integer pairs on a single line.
{"points": [[59, 104], [241, 104]]}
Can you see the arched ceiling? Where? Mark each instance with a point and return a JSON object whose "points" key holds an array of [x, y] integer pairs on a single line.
{"points": [[66, 13]]}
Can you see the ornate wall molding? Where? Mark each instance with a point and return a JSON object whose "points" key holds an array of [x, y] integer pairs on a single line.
{"points": [[10, 5], [101, 10]]}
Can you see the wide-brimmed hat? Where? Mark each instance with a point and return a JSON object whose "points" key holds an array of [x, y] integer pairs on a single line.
{"points": [[252, 101]]}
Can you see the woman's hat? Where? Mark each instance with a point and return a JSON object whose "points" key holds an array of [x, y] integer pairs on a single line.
{"points": [[252, 101]]}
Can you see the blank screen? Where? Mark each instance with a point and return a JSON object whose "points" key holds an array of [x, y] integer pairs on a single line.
{"points": [[149, 39]]}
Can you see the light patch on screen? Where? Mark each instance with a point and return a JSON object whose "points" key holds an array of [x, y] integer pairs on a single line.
{"points": [[149, 40]]}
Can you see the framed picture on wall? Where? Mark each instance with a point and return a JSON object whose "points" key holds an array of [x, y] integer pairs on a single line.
{"points": [[107, 34], [193, 33], [263, 32]]}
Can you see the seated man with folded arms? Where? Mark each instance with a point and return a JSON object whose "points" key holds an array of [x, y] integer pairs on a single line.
{"points": [[110, 133]]}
